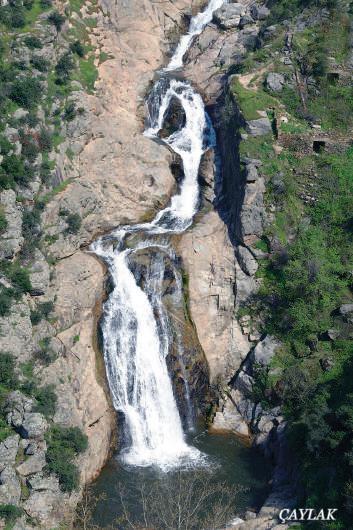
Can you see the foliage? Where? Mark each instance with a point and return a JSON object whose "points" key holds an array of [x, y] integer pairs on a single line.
{"points": [[64, 67], [3, 220], [57, 20], [33, 42], [46, 401], [77, 47], [8, 376], [64, 443], [9, 512], [73, 221], [40, 63], [26, 92]]}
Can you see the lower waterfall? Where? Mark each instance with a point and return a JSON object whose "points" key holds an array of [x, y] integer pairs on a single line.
{"points": [[136, 336]]}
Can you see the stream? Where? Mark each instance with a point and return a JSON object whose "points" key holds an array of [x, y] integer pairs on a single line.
{"points": [[155, 442]]}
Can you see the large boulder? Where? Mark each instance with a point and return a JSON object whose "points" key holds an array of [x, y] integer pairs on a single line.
{"points": [[10, 488], [346, 310], [259, 12], [265, 350], [259, 127], [34, 425], [246, 260], [275, 82], [8, 451], [17, 404], [33, 464], [43, 483], [228, 16]]}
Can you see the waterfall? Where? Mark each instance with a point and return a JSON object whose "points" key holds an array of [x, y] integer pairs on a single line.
{"points": [[136, 334], [197, 24]]}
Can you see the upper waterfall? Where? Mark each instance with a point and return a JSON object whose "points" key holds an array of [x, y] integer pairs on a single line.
{"points": [[197, 24]]}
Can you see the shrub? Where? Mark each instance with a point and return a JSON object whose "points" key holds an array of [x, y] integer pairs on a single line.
{"points": [[18, 18], [77, 47], [40, 63], [45, 172], [64, 67], [3, 220], [9, 512], [73, 221], [5, 145], [64, 443], [57, 20], [26, 92], [8, 376], [6, 296], [19, 276], [13, 167], [46, 401], [33, 42], [46, 3], [70, 111], [45, 140], [5, 431], [30, 149]]}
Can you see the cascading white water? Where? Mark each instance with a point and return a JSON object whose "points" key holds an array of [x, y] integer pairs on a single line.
{"points": [[196, 27], [135, 331]]}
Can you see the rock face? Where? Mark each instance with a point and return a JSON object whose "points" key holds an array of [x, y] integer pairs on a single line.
{"points": [[275, 82], [11, 238], [229, 15]]}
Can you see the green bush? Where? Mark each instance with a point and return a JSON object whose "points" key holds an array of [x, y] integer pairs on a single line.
{"points": [[26, 92], [6, 298], [9, 512], [64, 443], [64, 68], [73, 221], [40, 63], [3, 220], [8, 376], [46, 401], [19, 276], [33, 42], [57, 20], [45, 140], [77, 47]]}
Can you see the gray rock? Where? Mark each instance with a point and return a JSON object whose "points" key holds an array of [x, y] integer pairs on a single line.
{"points": [[259, 127], [246, 260], [34, 425], [11, 238], [244, 383], [253, 211], [265, 350], [275, 82], [8, 451], [17, 404], [269, 32], [229, 15], [246, 20], [41, 483], [346, 310], [40, 273], [16, 331], [333, 334], [251, 173], [33, 464], [47, 507], [259, 12], [10, 488]]}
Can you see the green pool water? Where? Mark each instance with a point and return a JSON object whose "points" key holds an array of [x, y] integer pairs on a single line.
{"points": [[226, 460]]}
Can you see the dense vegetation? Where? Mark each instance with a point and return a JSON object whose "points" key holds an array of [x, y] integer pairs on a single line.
{"points": [[308, 273], [36, 84], [63, 445]]}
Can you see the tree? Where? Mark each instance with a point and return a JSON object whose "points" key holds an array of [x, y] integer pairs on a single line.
{"points": [[57, 20], [183, 501]]}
